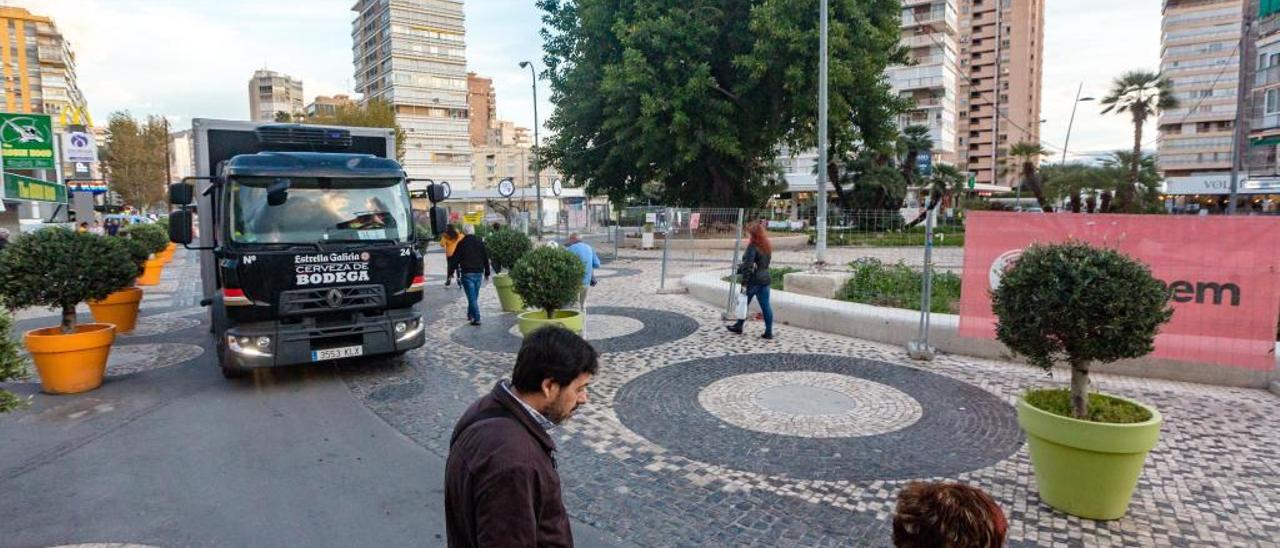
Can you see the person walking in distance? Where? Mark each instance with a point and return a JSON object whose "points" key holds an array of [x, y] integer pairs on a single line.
{"points": [[472, 258], [590, 261], [502, 487], [753, 276], [449, 241]]}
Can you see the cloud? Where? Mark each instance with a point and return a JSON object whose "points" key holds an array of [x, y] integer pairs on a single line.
{"points": [[1092, 42]]}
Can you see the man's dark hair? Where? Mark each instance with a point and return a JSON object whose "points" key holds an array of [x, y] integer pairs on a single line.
{"points": [[554, 353], [951, 515]]}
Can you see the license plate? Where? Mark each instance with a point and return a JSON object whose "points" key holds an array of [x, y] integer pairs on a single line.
{"points": [[336, 353]]}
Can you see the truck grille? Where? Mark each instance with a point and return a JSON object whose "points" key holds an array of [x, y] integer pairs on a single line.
{"points": [[331, 299], [301, 136]]}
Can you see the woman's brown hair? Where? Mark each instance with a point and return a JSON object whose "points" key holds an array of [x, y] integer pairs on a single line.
{"points": [[950, 515], [760, 238]]}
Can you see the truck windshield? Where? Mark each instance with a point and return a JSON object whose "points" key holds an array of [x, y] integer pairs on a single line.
{"points": [[302, 210]]}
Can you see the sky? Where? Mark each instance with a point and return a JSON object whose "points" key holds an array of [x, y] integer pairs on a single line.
{"points": [[193, 58]]}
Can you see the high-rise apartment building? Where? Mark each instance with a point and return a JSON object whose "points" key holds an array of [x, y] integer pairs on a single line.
{"points": [[39, 69], [271, 92], [411, 53], [1001, 60], [323, 105], [1263, 158], [482, 102], [1200, 57], [929, 32]]}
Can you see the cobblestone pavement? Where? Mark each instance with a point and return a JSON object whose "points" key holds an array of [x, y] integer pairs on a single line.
{"points": [[706, 438]]}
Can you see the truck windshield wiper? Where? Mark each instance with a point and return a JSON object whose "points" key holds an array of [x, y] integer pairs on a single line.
{"points": [[362, 241]]}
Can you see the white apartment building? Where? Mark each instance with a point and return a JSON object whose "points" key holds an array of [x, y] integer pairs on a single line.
{"points": [[1200, 58], [271, 92], [411, 53], [929, 30]]}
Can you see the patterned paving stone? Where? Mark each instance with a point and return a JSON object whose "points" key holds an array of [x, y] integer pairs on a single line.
{"points": [[1213, 480], [498, 334], [127, 359], [809, 404], [664, 406]]}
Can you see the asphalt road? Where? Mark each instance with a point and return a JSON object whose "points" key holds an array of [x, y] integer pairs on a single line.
{"points": [[178, 456]]}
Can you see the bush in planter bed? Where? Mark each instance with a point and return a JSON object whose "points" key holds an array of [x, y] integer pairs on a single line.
{"points": [[1079, 304], [153, 238], [506, 247], [548, 278], [12, 364], [58, 267]]}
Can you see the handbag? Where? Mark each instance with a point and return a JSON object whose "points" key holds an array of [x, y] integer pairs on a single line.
{"points": [[740, 306]]}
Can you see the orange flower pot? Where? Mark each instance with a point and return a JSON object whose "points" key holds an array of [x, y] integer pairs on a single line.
{"points": [[72, 363], [151, 272], [119, 308]]}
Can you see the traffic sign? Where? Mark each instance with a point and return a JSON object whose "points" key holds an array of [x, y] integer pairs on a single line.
{"points": [[26, 141], [973, 180]]}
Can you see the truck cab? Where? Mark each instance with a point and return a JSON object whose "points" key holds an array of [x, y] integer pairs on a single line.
{"points": [[306, 256]]}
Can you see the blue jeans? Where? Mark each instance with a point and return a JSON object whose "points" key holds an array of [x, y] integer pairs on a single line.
{"points": [[761, 294], [471, 285]]}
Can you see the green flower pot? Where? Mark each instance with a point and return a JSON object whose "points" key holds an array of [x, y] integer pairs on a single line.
{"points": [[505, 286], [1087, 469], [532, 320]]}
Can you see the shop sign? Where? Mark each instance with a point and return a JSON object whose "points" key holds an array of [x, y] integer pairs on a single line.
{"points": [[18, 187], [26, 141]]}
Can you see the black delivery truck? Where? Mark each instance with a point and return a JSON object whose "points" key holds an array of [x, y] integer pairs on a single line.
{"points": [[307, 240]]}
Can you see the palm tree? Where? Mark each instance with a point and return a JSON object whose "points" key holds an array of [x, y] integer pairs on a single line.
{"points": [[913, 141], [1069, 182], [1028, 157], [1141, 94], [945, 181], [1147, 198]]}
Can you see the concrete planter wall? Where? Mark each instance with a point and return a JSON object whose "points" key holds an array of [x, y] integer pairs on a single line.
{"points": [[897, 327]]}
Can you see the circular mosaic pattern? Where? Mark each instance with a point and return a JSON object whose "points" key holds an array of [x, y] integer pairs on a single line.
{"points": [[810, 404], [497, 334], [960, 426], [612, 272], [601, 326], [134, 358]]}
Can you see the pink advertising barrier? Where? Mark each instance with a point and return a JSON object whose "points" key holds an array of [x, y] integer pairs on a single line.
{"points": [[1221, 273]]}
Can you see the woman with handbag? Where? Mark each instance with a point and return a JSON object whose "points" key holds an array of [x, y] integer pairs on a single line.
{"points": [[753, 274]]}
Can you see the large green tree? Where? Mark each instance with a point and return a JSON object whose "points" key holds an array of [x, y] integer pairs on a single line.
{"points": [[136, 159], [371, 113], [699, 95], [1141, 95]]}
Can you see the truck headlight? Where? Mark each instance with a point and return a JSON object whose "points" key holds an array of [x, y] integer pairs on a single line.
{"points": [[408, 329], [264, 342], [245, 347]]}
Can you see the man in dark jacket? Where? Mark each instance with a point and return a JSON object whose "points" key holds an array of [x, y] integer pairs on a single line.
{"points": [[472, 258], [501, 483]]}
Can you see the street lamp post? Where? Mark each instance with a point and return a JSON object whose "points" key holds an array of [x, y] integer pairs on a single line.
{"points": [[1072, 122], [537, 162], [820, 253]]}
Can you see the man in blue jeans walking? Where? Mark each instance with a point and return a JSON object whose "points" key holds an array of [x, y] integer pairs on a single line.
{"points": [[472, 258]]}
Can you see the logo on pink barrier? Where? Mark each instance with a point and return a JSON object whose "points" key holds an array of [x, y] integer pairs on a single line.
{"points": [[1223, 275]]}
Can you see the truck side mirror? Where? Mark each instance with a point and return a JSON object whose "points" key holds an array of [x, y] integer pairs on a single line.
{"points": [[180, 193], [437, 193], [439, 220], [180, 227]]}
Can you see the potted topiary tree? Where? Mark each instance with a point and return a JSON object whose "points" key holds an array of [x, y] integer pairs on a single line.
{"points": [[506, 247], [155, 241], [58, 267], [121, 308], [549, 278], [170, 248], [1080, 305], [12, 364]]}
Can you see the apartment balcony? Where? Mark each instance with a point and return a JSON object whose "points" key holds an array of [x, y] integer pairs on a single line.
{"points": [[940, 20], [920, 78], [1268, 26], [1267, 76], [919, 41]]}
